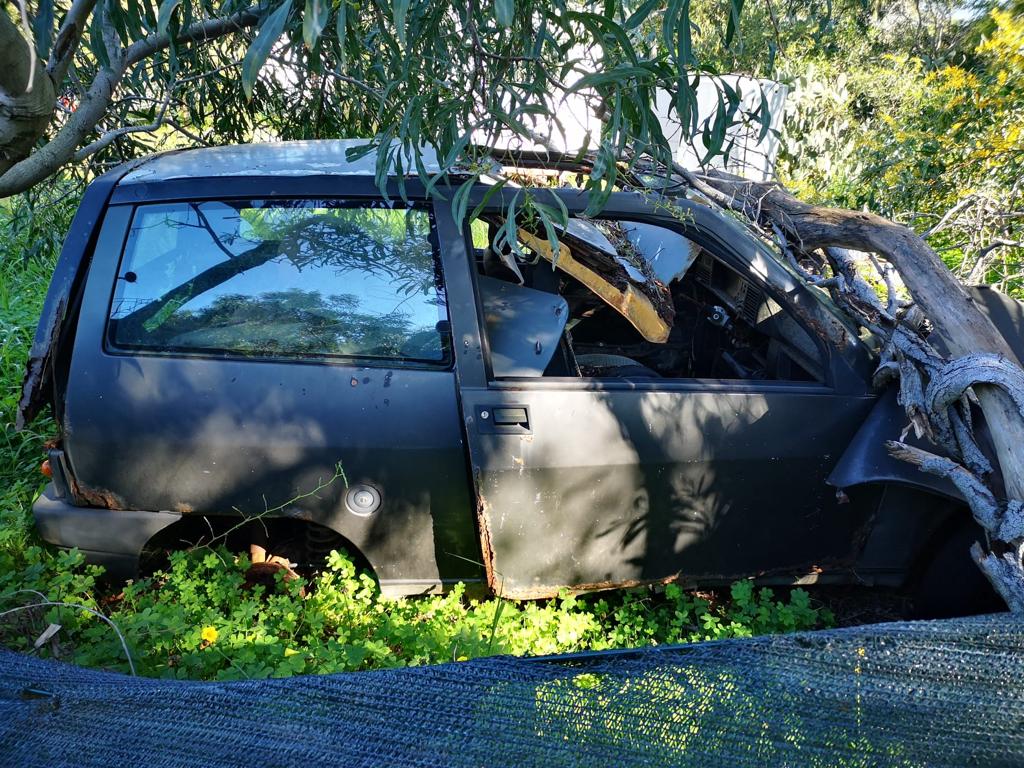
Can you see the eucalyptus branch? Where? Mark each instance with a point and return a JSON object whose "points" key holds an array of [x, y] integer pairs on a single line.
{"points": [[110, 136], [999, 242], [339, 473], [200, 31], [194, 137], [68, 38], [62, 147]]}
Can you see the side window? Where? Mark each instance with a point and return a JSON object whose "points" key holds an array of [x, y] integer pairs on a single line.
{"points": [[636, 301], [308, 278]]}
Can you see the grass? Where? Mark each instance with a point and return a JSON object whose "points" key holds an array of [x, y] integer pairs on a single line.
{"points": [[200, 619], [22, 286]]}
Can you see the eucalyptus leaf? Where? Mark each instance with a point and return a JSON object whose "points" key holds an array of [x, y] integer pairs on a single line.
{"points": [[544, 213], [163, 19], [491, 191], [460, 202], [341, 30], [504, 12], [641, 14], [95, 37], [764, 116], [735, 9], [399, 11], [42, 28], [270, 31], [314, 20]]}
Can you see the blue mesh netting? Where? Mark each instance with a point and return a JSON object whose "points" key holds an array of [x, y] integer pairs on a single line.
{"points": [[926, 693]]}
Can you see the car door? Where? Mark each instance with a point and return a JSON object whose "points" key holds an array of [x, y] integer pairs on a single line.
{"points": [[590, 481], [284, 353]]}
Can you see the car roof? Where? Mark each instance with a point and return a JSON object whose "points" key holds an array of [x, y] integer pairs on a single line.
{"points": [[326, 157]]}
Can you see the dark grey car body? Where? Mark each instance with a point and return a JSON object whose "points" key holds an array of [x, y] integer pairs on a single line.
{"points": [[524, 484]]}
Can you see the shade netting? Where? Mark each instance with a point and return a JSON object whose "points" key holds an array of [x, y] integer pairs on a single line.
{"points": [[941, 693]]}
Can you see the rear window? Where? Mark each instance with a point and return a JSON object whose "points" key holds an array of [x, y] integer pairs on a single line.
{"points": [[310, 278]]}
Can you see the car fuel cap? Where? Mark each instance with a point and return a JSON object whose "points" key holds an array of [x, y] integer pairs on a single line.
{"points": [[362, 500]]}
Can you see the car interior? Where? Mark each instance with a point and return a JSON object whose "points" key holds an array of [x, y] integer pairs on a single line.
{"points": [[542, 321]]}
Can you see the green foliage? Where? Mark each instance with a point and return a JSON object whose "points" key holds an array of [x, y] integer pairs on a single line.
{"points": [[914, 129], [24, 276], [259, 51], [199, 619], [406, 72]]}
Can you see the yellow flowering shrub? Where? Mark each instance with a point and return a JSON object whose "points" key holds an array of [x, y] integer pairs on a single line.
{"points": [[911, 139]]}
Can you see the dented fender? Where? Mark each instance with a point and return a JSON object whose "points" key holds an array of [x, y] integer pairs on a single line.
{"points": [[867, 461]]}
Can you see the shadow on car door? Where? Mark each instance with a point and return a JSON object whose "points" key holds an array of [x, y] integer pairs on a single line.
{"points": [[593, 481]]}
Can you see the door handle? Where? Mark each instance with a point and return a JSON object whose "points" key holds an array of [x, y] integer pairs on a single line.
{"points": [[508, 419]]}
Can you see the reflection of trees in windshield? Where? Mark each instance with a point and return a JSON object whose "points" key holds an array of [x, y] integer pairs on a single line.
{"points": [[385, 242], [296, 322], [381, 259]]}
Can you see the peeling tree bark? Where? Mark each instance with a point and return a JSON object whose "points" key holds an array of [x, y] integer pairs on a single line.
{"points": [[933, 287], [27, 96]]}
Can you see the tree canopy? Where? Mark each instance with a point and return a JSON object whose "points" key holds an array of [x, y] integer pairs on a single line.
{"points": [[96, 77]]}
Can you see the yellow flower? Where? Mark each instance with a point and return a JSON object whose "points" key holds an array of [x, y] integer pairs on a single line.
{"points": [[289, 652], [209, 635]]}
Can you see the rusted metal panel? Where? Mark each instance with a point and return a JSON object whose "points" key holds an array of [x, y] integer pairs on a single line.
{"points": [[96, 497], [491, 576]]}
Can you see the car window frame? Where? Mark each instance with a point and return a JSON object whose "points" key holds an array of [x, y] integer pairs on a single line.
{"points": [[714, 246], [447, 362]]}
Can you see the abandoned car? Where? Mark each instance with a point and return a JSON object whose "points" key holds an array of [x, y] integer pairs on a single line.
{"points": [[257, 331]]}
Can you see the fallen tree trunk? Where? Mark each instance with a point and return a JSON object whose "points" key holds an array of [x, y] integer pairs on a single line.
{"points": [[982, 355], [933, 287]]}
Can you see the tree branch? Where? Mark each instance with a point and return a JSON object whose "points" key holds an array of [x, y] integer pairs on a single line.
{"points": [[67, 40], [48, 159], [200, 32], [999, 242], [27, 110], [110, 136]]}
